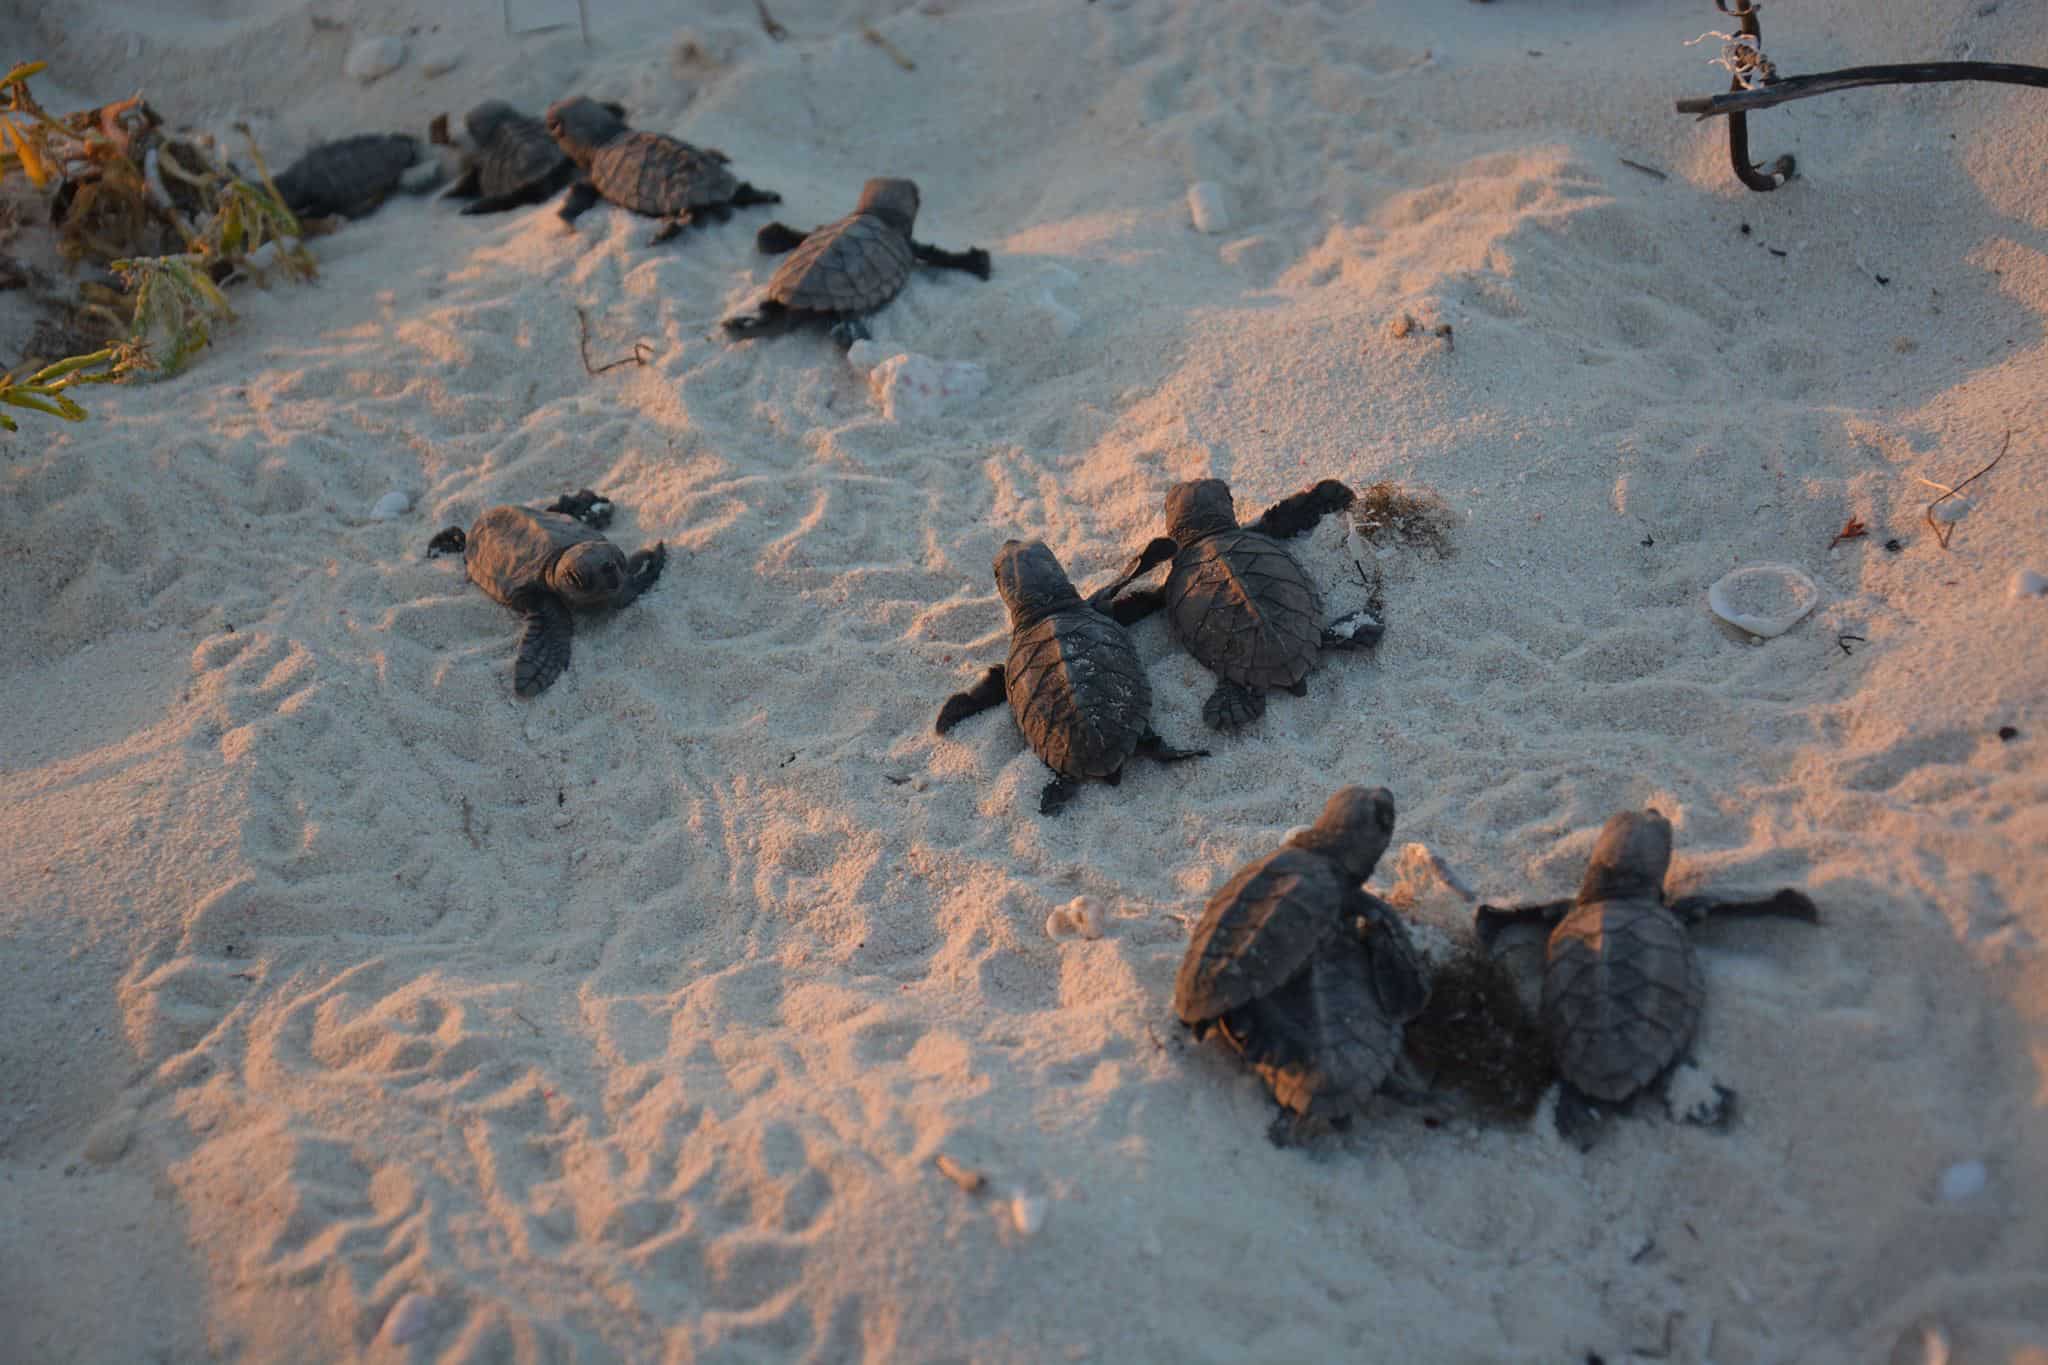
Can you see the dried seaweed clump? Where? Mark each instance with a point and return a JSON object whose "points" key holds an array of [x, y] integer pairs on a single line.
{"points": [[1389, 514]]}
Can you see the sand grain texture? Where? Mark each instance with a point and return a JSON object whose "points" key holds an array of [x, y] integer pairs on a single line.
{"points": [[356, 1010]]}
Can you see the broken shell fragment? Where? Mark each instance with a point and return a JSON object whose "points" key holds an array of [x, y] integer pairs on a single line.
{"points": [[1766, 600]]}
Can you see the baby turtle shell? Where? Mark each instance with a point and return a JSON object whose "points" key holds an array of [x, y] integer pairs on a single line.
{"points": [[1072, 679], [1303, 972], [1622, 986], [350, 177], [847, 269], [650, 173], [544, 563], [512, 159]]}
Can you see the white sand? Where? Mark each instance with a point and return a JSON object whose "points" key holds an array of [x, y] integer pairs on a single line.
{"points": [[626, 1023]]}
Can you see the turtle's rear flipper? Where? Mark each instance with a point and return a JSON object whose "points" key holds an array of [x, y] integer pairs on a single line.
{"points": [[1292, 516], [592, 509], [643, 569], [1786, 903], [984, 694], [543, 644], [1057, 793], [1580, 1121], [1158, 750], [451, 541], [974, 260], [1232, 706], [747, 195], [670, 227], [846, 331], [777, 238], [1354, 630]]}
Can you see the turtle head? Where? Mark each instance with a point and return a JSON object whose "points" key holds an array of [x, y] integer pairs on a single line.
{"points": [[589, 574], [1354, 829], [581, 125], [486, 119], [1630, 859], [893, 201], [1198, 508], [1031, 581]]}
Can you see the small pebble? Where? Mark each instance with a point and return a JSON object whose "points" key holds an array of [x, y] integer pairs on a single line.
{"points": [[1079, 916], [1027, 1211], [392, 506], [2029, 583], [410, 1317], [1207, 207], [1962, 1181], [374, 57], [109, 1139], [439, 60]]}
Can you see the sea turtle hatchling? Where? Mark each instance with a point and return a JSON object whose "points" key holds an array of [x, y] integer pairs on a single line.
{"points": [[542, 564], [1241, 602], [1622, 988], [352, 176], [650, 173], [846, 270], [1073, 679], [1305, 973], [511, 159]]}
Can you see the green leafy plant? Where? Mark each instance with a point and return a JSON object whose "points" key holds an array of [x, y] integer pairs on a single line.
{"points": [[44, 391], [175, 302]]}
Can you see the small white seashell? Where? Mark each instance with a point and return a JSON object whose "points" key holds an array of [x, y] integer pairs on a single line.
{"points": [[1056, 925], [392, 505], [1766, 600], [1963, 1180], [2029, 583], [1951, 509], [1027, 1211], [374, 57], [440, 59], [1207, 207], [1085, 917], [409, 1317]]}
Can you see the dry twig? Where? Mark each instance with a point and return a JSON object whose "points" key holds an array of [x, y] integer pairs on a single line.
{"points": [[642, 352], [1943, 530], [868, 32], [768, 24]]}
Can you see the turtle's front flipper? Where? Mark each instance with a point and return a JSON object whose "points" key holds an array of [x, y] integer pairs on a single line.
{"points": [[582, 195], [975, 700], [770, 317], [1134, 607], [468, 185], [777, 238], [543, 644], [1292, 516], [451, 541], [974, 260], [1151, 557], [1489, 920], [517, 198], [1157, 749], [1354, 630], [643, 568], [1786, 903], [592, 509], [747, 195], [1232, 706]]}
